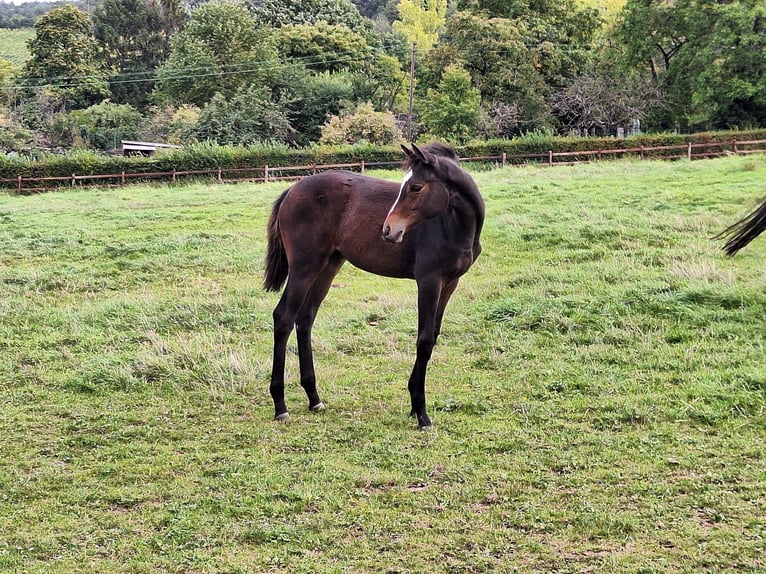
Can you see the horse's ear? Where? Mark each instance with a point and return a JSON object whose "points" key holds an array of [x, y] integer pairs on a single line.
{"points": [[426, 157], [407, 151]]}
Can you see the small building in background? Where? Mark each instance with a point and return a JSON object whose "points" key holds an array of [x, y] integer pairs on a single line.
{"points": [[145, 149]]}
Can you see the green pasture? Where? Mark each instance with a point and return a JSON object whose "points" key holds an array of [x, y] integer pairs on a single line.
{"points": [[13, 44], [598, 392]]}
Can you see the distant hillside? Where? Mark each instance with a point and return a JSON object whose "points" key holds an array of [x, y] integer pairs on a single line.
{"points": [[13, 44], [24, 15]]}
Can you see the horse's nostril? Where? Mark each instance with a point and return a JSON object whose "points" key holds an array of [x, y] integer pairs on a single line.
{"points": [[386, 231]]}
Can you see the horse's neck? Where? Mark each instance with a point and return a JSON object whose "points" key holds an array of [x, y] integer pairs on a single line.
{"points": [[467, 215], [468, 209]]}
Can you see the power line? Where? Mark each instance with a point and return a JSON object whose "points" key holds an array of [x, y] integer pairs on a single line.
{"points": [[190, 73], [184, 73]]}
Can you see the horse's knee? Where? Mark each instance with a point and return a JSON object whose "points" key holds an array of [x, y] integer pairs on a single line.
{"points": [[283, 325], [425, 346]]}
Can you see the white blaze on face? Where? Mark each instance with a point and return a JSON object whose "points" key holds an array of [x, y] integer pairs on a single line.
{"points": [[407, 177]]}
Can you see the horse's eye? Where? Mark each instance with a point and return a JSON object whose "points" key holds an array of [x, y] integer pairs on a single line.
{"points": [[415, 188]]}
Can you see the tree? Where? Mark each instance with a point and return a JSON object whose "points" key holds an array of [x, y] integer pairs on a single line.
{"points": [[652, 32], [220, 50], [370, 8], [248, 117], [277, 13], [602, 101], [101, 126], [313, 99], [323, 47], [8, 73], [420, 20], [706, 56], [134, 35], [64, 57], [380, 81], [451, 111], [731, 88], [501, 65], [559, 33]]}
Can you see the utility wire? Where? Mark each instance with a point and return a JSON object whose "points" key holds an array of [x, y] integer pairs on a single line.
{"points": [[184, 73]]}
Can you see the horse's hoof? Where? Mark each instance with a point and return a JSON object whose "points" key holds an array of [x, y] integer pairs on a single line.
{"points": [[282, 417], [317, 407], [426, 428]]}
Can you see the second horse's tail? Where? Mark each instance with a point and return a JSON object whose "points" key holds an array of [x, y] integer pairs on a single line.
{"points": [[276, 258], [742, 232]]}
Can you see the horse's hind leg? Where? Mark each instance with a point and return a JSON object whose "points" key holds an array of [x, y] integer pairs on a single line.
{"points": [[447, 290], [304, 324], [284, 315]]}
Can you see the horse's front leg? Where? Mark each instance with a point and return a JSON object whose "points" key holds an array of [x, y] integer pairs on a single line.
{"points": [[428, 299]]}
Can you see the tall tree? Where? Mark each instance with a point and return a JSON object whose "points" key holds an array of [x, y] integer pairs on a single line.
{"points": [[706, 56], [134, 35], [65, 59], [652, 33], [496, 55], [323, 47], [278, 13], [451, 111], [559, 33], [420, 21], [220, 50]]}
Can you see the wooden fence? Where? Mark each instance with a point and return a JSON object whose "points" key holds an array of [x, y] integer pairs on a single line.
{"points": [[688, 151]]}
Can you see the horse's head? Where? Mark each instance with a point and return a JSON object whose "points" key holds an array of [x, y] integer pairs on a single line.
{"points": [[423, 193]]}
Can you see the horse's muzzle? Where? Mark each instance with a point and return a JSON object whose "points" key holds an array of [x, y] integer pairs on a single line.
{"points": [[392, 236]]}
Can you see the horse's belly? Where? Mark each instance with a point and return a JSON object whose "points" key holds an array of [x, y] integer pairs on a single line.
{"points": [[381, 258]]}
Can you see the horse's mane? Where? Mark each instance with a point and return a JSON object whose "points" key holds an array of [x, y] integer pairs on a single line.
{"points": [[436, 148]]}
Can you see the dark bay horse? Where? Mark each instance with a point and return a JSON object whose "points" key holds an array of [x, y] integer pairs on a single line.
{"points": [[739, 234], [426, 229]]}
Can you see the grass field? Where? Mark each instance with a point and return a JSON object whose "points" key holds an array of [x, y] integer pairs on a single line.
{"points": [[598, 392], [13, 44]]}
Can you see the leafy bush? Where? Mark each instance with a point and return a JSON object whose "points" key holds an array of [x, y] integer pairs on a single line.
{"points": [[250, 116], [174, 125], [101, 126], [212, 156], [364, 124]]}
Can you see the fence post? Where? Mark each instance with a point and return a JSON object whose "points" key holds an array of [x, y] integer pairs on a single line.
{"points": [[734, 146], [550, 157], [641, 156], [362, 167], [219, 175], [689, 152], [74, 180], [122, 177], [505, 159], [266, 174], [174, 175], [19, 185]]}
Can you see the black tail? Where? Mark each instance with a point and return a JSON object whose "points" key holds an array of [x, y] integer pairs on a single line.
{"points": [[276, 259], [744, 231]]}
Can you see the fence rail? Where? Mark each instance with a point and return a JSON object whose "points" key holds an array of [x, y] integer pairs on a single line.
{"points": [[690, 151]]}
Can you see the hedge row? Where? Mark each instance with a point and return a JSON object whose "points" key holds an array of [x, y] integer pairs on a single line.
{"points": [[208, 156]]}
